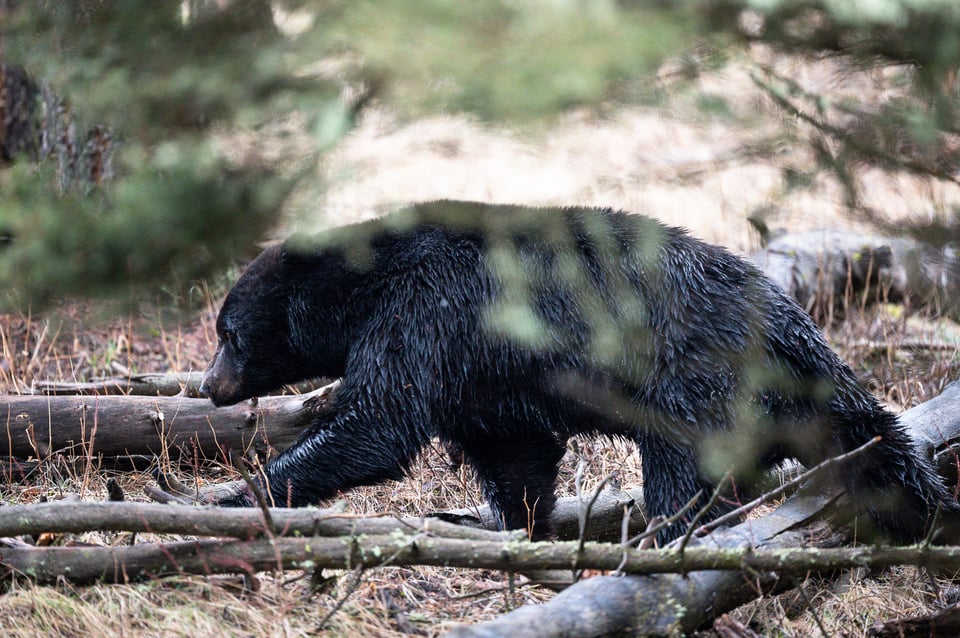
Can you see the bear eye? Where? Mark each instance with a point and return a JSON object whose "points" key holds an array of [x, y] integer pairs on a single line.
{"points": [[230, 337]]}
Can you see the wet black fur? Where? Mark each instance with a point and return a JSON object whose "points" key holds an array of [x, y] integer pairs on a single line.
{"points": [[506, 330]]}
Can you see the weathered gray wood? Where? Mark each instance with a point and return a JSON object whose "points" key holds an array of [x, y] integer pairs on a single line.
{"points": [[148, 384], [826, 269], [606, 515], [935, 426], [660, 604], [112, 426], [171, 384], [424, 542], [127, 516]]}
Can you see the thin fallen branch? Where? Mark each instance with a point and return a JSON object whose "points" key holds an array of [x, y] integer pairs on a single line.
{"points": [[886, 346], [148, 384], [612, 509], [405, 546], [172, 384], [241, 523]]}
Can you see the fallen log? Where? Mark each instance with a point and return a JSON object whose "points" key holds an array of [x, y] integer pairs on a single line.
{"points": [[828, 270], [945, 622], [60, 517], [605, 521], [670, 603], [935, 430], [119, 426]]}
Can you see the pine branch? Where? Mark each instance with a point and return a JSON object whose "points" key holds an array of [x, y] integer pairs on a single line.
{"points": [[877, 154]]}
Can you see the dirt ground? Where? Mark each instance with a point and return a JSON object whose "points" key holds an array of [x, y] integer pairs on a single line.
{"points": [[674, 162]]}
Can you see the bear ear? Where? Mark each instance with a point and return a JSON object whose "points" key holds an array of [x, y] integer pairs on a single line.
{"points": [[297, 251], [287, 256]]}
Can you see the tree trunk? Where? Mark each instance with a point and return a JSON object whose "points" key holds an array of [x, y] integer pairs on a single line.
{"points": [[35, 124]]}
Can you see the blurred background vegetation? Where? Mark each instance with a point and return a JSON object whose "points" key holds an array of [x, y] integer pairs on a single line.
{"points": [[147, 145]]}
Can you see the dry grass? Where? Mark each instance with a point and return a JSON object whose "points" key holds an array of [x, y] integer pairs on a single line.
{"points": [[677, 163]]}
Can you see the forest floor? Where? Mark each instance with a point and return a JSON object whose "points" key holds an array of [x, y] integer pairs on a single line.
{"points": [[705, 169]]}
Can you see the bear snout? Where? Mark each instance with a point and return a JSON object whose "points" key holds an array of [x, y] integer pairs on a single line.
{"points": [[220, 391], [222, 382], [204, 389], [217, 395]]}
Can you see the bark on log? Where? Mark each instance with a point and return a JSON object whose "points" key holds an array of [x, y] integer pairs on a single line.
{"points": [[37, 426], [825, 270], [945, 622]]}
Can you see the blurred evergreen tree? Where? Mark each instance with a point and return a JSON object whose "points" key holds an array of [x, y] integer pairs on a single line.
{"points": [[128, 126], [914, 47], [148, 144], [124, 130]]}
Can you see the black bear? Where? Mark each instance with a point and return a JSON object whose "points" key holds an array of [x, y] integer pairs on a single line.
{"points": [[505, 330]]}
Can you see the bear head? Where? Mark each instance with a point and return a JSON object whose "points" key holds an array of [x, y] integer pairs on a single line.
{"points": [[282, 322]]}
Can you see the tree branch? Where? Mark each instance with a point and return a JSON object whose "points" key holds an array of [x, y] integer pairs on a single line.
{"points": [[422, 546], [241, 523], [147, 384]]}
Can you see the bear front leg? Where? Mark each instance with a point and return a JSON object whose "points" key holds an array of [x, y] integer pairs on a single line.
{"points": [[353, 443], [518, 479]]}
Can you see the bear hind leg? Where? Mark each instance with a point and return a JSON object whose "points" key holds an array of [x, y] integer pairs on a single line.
{"points": [[671, 479], [518, 479]]}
